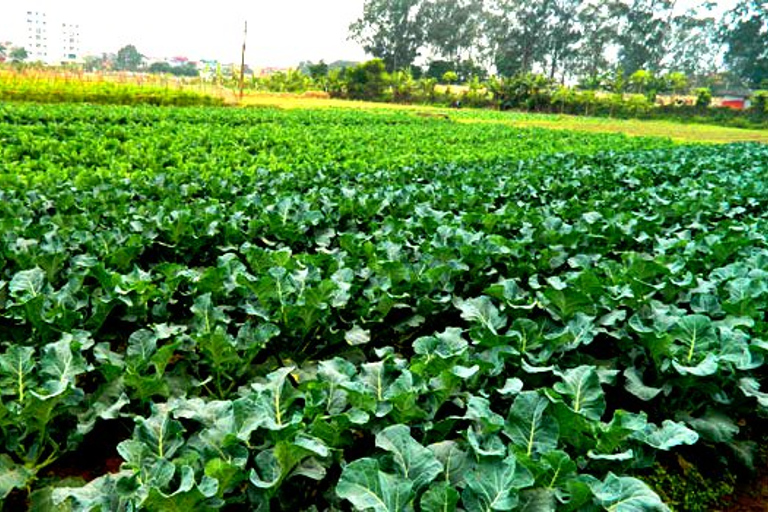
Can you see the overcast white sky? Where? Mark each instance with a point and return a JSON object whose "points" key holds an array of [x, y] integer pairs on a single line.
{"points": [[280, 32]]}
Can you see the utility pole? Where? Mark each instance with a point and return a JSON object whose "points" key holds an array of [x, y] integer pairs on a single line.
{"points": [[242, 61]]}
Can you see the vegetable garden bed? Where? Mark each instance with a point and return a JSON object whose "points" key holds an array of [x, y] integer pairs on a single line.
{"points": [[256, 310]]}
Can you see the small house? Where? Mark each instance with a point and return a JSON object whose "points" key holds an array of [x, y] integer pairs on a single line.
{"points": [[736, 99]]}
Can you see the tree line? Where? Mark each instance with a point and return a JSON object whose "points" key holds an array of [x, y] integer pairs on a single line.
{"points": [[569, 40]]}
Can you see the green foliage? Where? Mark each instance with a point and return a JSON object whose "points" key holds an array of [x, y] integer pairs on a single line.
{"points": [[688, 490], [29, 88], [703, 97], [285, 312], [128, 59]]}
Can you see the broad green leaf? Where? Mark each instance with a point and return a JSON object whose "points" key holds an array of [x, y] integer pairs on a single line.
{"points": [[160, 433], [13, 476], [274, 401], [27, 284], [444, 345], [413, 461], [693, 334], [582, 386], [537, 500], [440, 497], [714, 426], [267, 471], [556, 469], [527, 426], [670, 434], [751, 387], [494, 485], [368, 488], [511, 387], [357, 336], [626, 494], [97, 495], [16, 366], [456, 463], [479, 411], [634, 384], [706, 367], [60, 367], [482, 311]]}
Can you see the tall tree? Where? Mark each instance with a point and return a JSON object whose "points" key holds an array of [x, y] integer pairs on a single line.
{"points": [[18, 54], [693, 46], [514, 29], [128, 59], [562, 35], [451, 27], [745, 34], [642, 32], [597, 31], [391, 30]]}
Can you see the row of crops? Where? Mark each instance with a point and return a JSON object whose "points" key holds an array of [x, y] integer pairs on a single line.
{"points": [[44, 87], [334, 310]]}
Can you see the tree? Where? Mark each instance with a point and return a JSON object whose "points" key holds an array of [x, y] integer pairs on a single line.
{"points": [[366, 81], [160, 67], [562, 35], [128, 59], [597, 32], [317, 71], [693, 47], [18, 54], [3, 50], [451, 26], [745, 33], [642, 32], [391, 30], [514, 29]]}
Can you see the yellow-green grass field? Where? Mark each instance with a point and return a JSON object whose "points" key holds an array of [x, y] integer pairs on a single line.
{"points": [[679, 132]]}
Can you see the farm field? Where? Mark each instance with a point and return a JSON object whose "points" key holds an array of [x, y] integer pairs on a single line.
{"points": [[327, 309], [679, 132]]}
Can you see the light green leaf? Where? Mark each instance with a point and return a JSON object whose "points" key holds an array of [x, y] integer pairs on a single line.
{"points": [[357, 336], [582, 386], [751, 387], [440, 497], [527, 426], [670, 434], [16, 365], [482, 311], [160, 433], [456, 463], [12, 475], [60, 366], [274, 400], [634, 385], [413, 461], [706, 367], [368, 488], [714, 426], [626, 494], [693, 334], [444, 345], [511, 387], [494, 485], [27, 284]]}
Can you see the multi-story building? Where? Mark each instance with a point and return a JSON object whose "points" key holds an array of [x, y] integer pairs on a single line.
{"points": [[70, 42], [51, 40], [37, 43]]}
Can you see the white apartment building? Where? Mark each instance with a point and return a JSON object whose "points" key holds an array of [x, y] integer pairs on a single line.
{"points": [[37, 40], [50, 40], [70, 42]]}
